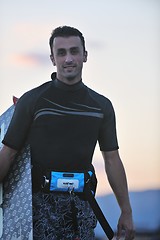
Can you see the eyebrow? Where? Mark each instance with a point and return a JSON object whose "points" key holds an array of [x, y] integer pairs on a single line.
{"points": [[59, 49]]}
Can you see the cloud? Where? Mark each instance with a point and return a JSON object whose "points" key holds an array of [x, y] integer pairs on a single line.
{"points": [[30, 59]]}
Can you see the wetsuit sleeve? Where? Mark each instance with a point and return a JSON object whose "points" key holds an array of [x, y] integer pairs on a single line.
{"points": [[107, 135], [18, 129]]}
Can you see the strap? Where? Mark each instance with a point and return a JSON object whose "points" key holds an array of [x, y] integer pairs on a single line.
{"points": [[74, 213], [98, 212]]}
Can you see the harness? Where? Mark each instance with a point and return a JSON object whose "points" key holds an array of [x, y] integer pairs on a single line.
{"points": [[84, 185]]}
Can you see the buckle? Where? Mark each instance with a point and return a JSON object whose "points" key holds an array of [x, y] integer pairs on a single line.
{"points": [[45, 182]]}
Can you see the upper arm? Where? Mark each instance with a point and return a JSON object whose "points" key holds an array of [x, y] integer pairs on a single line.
{"points": [[111, 157], [107, 134], [108, 155], [7, 154], [18, 129]]}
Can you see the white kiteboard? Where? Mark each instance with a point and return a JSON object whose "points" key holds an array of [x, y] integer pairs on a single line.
{"points": [[16, 193]]}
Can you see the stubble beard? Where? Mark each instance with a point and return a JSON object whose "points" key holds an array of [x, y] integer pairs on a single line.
{"points": [[72, 76]]}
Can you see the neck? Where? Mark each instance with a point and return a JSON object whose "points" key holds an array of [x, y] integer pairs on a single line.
{"points": [[66, 87], [69, 80]]}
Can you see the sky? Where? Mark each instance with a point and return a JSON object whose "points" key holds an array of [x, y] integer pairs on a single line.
{"points": [[123, 43]]}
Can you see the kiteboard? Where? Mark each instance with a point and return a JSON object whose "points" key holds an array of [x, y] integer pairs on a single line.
{"points": [[16, 192]]}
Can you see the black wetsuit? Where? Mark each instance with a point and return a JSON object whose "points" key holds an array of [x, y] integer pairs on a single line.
{"points": [[62, 123]]}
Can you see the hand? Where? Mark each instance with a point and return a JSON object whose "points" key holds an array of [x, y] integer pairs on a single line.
{"points": [[125, 225]]}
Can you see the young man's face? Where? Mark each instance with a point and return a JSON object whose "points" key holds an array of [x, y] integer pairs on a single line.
{"points": [[68, 56]]}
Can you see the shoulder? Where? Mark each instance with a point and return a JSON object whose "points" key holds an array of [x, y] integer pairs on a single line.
{"points": [[29, 98], [37, 90], [103, 101], [34, 93]]}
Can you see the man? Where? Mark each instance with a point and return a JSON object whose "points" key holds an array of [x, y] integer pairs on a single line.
{"points": [[62, 120]]}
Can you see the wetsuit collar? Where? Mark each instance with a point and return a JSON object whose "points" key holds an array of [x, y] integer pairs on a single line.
{"points": [[64, 86]]}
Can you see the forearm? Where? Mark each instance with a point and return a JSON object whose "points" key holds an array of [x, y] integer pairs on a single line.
{"points": [[118, 182], [7, 156]]}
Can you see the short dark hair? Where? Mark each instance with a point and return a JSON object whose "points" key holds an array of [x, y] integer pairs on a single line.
{"points": [[66, 31]]}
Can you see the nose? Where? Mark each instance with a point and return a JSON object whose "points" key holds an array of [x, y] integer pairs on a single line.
{"points": [[68, 58]]}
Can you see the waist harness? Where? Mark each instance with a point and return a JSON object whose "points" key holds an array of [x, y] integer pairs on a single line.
{"points": [[81, 183]]}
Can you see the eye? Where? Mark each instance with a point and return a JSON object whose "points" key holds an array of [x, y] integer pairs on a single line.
{"points": [[74, 51], [61, 52]]}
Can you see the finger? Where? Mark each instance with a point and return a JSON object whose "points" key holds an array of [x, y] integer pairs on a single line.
{"points": [[130, 234], [119, 231]]}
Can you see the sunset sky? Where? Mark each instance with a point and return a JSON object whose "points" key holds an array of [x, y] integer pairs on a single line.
{"points": [[123, 43]]}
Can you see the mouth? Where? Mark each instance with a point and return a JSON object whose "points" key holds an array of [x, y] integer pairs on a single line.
{"points": [[69, 68]]}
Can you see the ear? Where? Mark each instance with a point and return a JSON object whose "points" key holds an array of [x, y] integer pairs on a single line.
{"points": [[52, 59], [85, 56]]}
